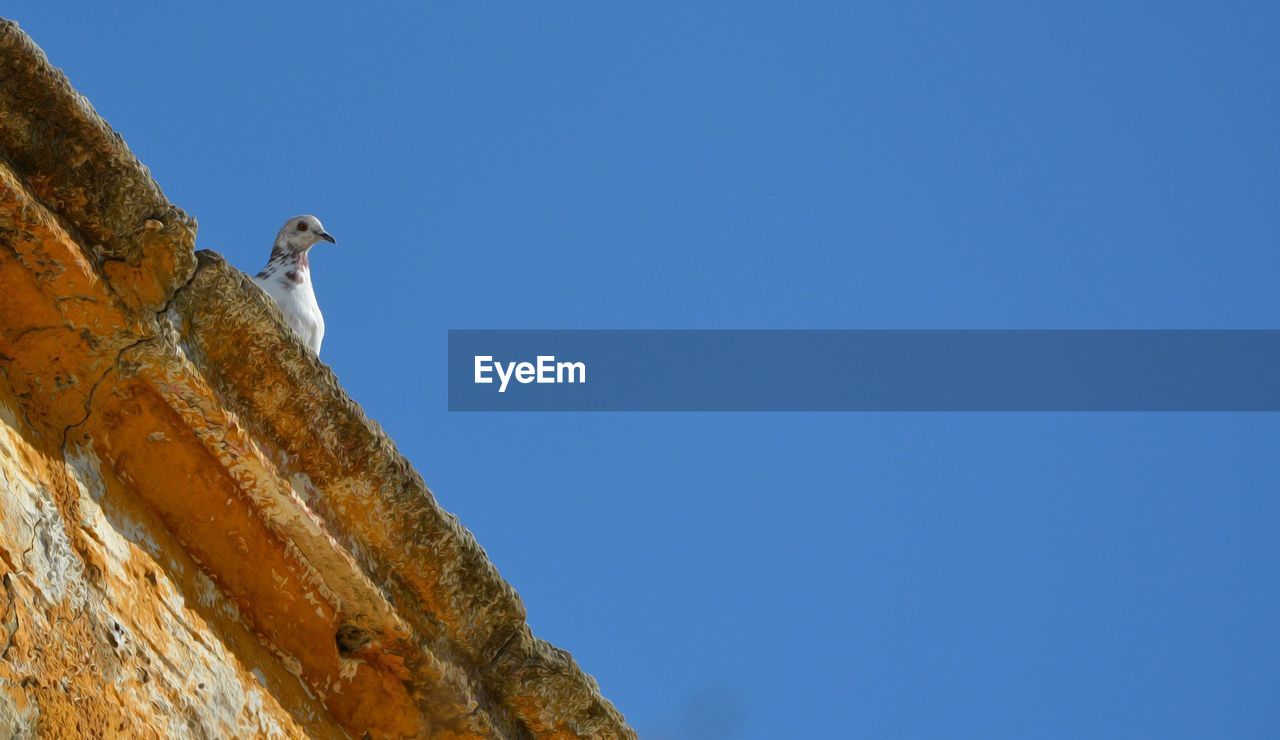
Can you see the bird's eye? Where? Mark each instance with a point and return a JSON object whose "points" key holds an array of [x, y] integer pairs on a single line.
{"points": [[302, 226]]}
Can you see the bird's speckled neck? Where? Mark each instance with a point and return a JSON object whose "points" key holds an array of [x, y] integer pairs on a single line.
{"points": [[290, 267]]}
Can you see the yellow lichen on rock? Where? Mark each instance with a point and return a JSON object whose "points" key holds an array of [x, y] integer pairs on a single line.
{"points": [[114, 640]]}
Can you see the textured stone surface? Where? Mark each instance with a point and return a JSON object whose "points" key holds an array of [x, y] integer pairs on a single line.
{"points": [[119, 632], [200, 533]]}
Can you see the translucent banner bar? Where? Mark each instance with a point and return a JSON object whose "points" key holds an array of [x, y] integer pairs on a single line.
{"points": [[925, 370]]}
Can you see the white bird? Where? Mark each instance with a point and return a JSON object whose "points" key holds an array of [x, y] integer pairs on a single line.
{"points": [[287, 277]]}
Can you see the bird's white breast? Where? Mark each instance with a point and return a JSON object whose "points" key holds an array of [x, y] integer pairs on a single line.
{"points": [[297, 302]]}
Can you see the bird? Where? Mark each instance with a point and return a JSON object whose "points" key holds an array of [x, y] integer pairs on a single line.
{"points": [[287, 277]]}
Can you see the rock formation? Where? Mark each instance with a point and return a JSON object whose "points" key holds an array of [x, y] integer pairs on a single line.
{"points": [[201, 535]]}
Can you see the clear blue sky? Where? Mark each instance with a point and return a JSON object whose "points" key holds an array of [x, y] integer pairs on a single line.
{"points": [[781, 165]]}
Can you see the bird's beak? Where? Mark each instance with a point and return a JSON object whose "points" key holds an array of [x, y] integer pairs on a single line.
{"points": [[325, 235]]}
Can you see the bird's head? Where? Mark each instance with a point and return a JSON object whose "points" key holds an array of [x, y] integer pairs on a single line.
{"points": [[300, 233]]}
